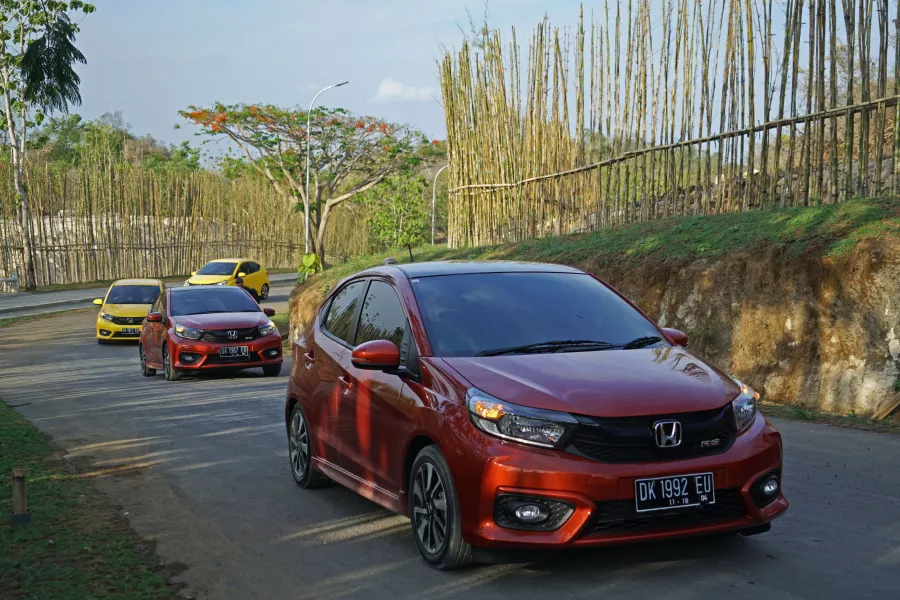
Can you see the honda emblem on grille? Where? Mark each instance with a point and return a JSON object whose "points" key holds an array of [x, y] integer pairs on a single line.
{"points": [[667, 434], [232, 335]]}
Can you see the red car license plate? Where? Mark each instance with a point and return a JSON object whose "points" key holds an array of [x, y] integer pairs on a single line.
{"points": [[234, 351], [680, 491]]}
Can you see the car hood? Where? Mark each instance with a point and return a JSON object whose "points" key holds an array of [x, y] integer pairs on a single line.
{"points": [[608, 383], [207, 279], [127, 310], [223, 320]]}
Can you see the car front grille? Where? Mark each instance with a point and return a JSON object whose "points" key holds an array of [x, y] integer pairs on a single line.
{"points": [[220, 336], [128, 320], [620, 516], [630, 439]]}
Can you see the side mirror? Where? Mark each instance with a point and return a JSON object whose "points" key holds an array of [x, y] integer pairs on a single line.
{"points": [[193, 273], [676, 337], [270, 312], [377, 355], [154, 317], [242, 274], [98, 301]]}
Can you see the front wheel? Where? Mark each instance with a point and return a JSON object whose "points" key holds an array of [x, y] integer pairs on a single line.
{"points": [[272, 370], [264, 292], [434, 512], [172, 374]]}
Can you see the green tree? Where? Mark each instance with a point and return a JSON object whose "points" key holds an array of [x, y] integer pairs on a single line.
{"points": [[349, 154], [397, 212], [37, 75]]}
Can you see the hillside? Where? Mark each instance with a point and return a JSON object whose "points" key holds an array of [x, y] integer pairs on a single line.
{"points": [[800, 302]]}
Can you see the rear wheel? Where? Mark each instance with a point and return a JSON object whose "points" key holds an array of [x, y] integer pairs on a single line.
{"points": [[264, 292], [172, 374], [145, 370], [434, 512], [272, 370], [299, 452]]}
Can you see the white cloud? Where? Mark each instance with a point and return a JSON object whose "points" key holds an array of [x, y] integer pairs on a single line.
{"points": [[390, 90]]}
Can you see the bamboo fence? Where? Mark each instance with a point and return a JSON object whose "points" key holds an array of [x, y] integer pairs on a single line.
{"points": [[671, 108], [115, 221]]}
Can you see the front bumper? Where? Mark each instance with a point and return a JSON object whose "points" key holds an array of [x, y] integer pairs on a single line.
{"points": [[205, 355], [109, 331], [596, 489]]}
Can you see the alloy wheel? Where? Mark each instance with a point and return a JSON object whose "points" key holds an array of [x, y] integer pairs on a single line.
{"points": [[298, 444], [430, 508], [264, 293]]}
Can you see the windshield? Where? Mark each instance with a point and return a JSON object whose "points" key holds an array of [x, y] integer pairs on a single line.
{"points": [[468, 315], [132, 294], [217, 268], [211, 300]]}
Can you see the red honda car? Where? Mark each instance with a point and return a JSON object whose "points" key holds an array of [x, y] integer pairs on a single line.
{"points": [[508, 405], [201, 328]]}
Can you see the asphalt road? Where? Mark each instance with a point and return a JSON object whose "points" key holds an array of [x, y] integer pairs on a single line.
{"points": [[201, 467]]}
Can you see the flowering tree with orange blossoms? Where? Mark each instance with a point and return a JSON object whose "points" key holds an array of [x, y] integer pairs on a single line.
{"points": [[349, 154]]}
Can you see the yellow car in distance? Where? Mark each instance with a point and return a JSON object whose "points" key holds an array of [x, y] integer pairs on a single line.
{"points": [[123, 309], [223, 271]]}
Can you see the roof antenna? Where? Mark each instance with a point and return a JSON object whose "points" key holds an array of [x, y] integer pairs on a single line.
{"points": [[409, 247]]}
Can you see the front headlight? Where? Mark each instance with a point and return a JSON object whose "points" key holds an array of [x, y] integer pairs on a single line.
{"points": [[188, 333], [106, 316], [223, 282], [534, 426], [267, 329], [744, 408], [187, 282]]}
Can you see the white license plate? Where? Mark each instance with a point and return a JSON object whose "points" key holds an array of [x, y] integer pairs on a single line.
{"points": [[234, 351], [679, 491], [131, 331]]}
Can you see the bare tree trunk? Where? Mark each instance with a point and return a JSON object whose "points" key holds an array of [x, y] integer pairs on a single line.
{"points": [[17, 152]]}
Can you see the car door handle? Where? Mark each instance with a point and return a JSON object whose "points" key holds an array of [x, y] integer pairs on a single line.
{"points": [[346, 386], [310, 359]]}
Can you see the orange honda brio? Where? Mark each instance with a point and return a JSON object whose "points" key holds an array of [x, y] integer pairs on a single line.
{"points": [[511, 405]]}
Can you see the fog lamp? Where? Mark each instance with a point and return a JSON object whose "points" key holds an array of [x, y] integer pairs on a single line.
{"points": [[770, 487], [531, 513]]}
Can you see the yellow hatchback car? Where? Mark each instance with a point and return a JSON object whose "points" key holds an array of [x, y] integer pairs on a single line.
{"points": [[123, 309], [223, 271]]}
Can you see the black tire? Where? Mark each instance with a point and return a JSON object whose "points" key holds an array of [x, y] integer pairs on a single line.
{"points": [[101, 342], [272, 370], [145, 370], [300, 451], [172, 374], [264, 292], [431, 488]]}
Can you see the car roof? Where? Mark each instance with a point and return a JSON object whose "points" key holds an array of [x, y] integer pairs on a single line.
{"points": [[232, 260], [137, 282], [202, 288], [432, 269]]}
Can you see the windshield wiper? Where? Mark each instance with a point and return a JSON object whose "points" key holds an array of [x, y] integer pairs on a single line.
{"points": [[552, 346], [641, 342]]}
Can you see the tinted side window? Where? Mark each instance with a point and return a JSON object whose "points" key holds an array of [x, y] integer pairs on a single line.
{"points": [[251, 268], [339, 320], [382, 316]]}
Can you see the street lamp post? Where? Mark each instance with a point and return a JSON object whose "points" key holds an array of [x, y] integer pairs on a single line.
{"points": [[433, 199], [308, 138]]}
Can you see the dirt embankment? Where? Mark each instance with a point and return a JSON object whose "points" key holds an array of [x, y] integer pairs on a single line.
{"points": [[810, 331], [804, 329]]}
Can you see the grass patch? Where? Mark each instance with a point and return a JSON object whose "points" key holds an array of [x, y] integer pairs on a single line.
{"points": [[852, 421], [831, 231], [29, 318], [76, 546]]}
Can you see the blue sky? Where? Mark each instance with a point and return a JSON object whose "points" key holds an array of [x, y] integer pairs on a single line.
{"points": [[150, 59]]}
